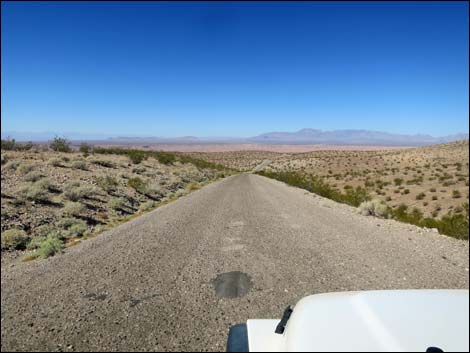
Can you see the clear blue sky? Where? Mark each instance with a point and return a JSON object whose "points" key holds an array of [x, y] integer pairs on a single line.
{"points": [[234, 69]]}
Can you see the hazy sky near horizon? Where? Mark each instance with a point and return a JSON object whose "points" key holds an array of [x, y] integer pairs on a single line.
{"points": [[234, 69]]}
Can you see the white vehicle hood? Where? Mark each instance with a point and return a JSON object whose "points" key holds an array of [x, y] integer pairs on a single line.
{"points": [[408, 320]]}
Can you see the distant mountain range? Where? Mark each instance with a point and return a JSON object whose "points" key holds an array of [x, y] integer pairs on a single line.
{"points": [[352, 137], [301, 137]]}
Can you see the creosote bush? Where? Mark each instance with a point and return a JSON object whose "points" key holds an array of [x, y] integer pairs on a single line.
{"points": [[104, 163], [75, 191], [73, 209], [60, 144], [34, 176], [72, 227], [117, 203], [79, 164], [374, 208], [137, 184], [55, 162], [107, 183], [86, 149], [148, 205], [50, 246], [14, 239]]}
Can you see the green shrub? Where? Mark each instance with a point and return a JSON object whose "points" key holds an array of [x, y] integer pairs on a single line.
{"points": [[148, 205], [107, 183], [55, 162], [45, 183], [355, 197], [60, 144], [374, 208], [137, 184], [456, 194], [72, 227], [51, 246], [85, 149], [25, 168], [24, 146], [420, 196], [77, 230], [14, 239], [104, 163], [44, 230], [8, 144], [34, 176], [37, 192], [35, 243], [455, 225], [79, 164], [315, 184], [117, 203], [75, 191], [136, 156], [73, 209]]}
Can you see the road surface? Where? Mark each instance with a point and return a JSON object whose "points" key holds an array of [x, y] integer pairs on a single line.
{"points": [[179, 276]]}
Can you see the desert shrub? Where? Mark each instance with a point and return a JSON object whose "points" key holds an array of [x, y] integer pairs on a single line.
{"points": [[406, 191], [107, 183], [14, 239], [77, 230], [434, 197], [355, 196], [44, 230], [148, 205], [104, 163], [455, 225], [12, 165], [74, 190], [139, 170], [193, 186], [46, 184], [73, 209], [25, 168], [456, 194], [420, 196], [117, 203], [85, 148], [24, 146], [79, 164], [35, 243], [8, 144], [50, 246], [432, 190], [137, 184], [137, 156], [35, 192], [60, 144], [153, 191], [33, 176], [374, 208], [4, 159], [55, 162], [165, 158], [72, 227]]}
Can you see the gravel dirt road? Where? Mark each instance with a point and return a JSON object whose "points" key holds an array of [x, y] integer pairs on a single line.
{"points": [[178, 277]]}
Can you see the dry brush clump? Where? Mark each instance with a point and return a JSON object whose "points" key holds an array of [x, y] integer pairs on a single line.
{"points": [[375, 208]]}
